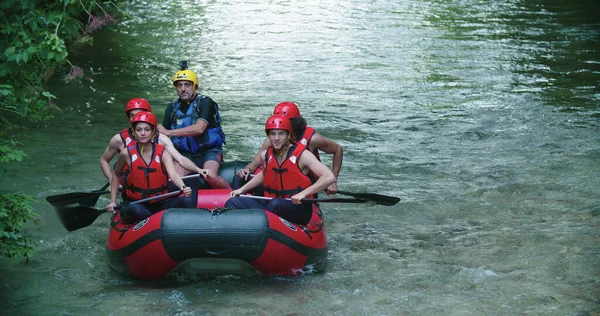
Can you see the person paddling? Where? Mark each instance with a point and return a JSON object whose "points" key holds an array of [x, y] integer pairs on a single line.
{"points": [[305, 135], [125, 138], [285, 174], [149, 167]]}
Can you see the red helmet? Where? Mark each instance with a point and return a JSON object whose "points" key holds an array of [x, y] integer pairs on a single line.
{"points": [[287, 109], [147, 117], [278, 122], [138, 103]]}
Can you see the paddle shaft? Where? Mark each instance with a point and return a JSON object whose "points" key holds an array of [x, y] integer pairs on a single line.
{"points": [[311, 201], [142, 201], [377, 198], [157, 197], [88, 198]]}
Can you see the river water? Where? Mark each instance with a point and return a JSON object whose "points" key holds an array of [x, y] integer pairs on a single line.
{"points": [[481, 115]]}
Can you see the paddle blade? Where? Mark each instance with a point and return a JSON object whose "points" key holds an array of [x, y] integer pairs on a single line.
{"points": [[377, 198], [83, 198], [74, 218]]}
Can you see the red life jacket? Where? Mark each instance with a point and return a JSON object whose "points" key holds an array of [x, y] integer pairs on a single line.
{"points": [[309, 132], [128, 141], [285, 180], [145, 180], [127, 137], [304, 141]]}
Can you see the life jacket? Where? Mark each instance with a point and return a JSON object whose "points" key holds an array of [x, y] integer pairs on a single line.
{"points": [[309, 132], [128, 139], [285, 180], [145, 180], [211, 138]]}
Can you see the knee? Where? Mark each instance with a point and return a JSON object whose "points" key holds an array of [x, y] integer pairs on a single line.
{"points": [[232, 203], [182, 202], [134, 213], [277, 206], [190, 202]]}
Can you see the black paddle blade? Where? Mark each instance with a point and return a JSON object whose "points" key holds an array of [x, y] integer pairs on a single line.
{"points": [[77, 217], [83, 198], [377, 198]]}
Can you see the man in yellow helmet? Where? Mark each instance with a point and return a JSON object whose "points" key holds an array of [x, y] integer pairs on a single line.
{"points": [[193, 123]]}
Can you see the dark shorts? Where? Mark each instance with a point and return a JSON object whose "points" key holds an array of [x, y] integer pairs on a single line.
{"points": [[299, 214], [199, 158], [135, 212]]}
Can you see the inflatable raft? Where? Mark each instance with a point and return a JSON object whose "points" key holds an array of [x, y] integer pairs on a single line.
{"points": [[214, 240]]}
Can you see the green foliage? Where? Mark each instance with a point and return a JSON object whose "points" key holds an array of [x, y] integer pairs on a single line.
{"points": [[15, 211], [35, 39], [8, 153], [33, 44]]}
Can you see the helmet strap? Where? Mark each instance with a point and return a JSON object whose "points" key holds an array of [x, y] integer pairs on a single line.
{"points": [[284, 149]]}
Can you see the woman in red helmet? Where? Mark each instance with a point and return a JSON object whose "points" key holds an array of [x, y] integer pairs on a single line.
{"points": [[306, 136], [125, 138], [285, 174], [149, 168]]}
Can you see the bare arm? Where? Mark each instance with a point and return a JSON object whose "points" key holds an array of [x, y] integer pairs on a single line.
{"points": [[259, 155], [328, 146], [114, 182], [193, 130], [252, 166], [254, 182], [184, 161], [114, 147], [325, 176], [173, 175]]}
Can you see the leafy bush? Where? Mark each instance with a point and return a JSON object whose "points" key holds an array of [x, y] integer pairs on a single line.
{"points": [[34, 41], [15, 211]]}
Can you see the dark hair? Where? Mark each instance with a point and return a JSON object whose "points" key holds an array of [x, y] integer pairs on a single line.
{"points": [[298, 126]]}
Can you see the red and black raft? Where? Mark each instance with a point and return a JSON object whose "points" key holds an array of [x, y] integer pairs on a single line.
{"points": [[214, 240]]}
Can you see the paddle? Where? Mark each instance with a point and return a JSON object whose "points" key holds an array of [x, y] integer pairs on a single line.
{"points": [[87, 198], [82, 216], [373, 197], [377, 198], [312, 201]]}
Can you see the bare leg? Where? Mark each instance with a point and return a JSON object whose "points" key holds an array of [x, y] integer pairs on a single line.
{"points": [[215, 182]]}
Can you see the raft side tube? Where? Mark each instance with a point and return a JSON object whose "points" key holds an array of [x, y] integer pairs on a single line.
{"points": [[233, 234]]}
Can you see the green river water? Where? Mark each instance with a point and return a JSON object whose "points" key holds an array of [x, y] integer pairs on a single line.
{"points": [[483, 116]]}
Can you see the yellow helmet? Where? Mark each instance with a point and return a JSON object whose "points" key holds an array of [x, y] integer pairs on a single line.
{"points": [[186, 75]]}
